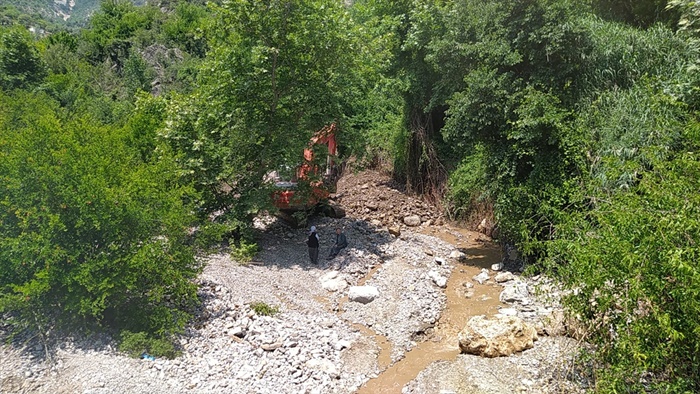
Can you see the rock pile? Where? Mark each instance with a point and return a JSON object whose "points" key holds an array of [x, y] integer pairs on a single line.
{"points": [[375, 198]]}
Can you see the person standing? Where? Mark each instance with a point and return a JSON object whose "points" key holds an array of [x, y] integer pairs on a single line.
{"points": [[312, 243], [340, 242]]}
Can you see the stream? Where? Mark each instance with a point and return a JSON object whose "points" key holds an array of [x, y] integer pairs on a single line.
{"points": [[441, 342]]}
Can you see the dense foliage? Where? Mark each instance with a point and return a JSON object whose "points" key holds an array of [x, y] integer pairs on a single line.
{"points": [[572, 123], [578, 131]]}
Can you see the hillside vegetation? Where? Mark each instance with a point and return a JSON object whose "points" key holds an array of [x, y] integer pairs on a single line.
{"points": [[572, 124]]}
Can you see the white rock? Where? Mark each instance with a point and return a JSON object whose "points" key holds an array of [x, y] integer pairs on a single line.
{"points": [[508, 311], [323, 365], [515, 292], [342, 344], [328, 276], [497, 266], [457, 255], [363, 294], [336, 284], [438, 279], [482, 277], [504, 277]]}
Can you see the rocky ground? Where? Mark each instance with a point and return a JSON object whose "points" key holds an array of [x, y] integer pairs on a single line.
{"points": [[391, 279]]}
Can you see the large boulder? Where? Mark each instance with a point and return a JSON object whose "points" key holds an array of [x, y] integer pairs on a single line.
{"points": [[496, 336], [363, 294]]}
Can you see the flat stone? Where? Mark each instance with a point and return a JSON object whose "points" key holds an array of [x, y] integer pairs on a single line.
{"points": [[482, 277], [270, 347], [337, 284], [328, 276]]}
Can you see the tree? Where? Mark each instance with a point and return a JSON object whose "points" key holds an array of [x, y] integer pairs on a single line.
{"points": [[20, 64], [89, 230], [272, 77]]}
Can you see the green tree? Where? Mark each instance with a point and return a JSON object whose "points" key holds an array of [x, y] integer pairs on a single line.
{"points": [[272, 78], [20, 64], [89, 231]]}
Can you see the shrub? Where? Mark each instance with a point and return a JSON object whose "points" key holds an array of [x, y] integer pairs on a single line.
{"points": [[88, 228], [264, 309], [244, 251], [633, 262], [136, 344]]}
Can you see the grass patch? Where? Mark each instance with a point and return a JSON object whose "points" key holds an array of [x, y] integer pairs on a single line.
{"points": [[264, 309]]}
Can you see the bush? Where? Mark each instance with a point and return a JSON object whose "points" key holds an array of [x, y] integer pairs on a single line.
{"points": [[264, 309], [136, 344], [88, 228], [244, 251], [633, 263]]}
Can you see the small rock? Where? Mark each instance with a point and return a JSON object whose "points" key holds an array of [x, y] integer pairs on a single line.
{"points": [[342, 344], [363, 294], [270, 347], [458, 255], [395, 231], [515, 292], [337, 284], [328, 276], [504, 277], [482, 277], [429, 252], [508, 311], [497, 267], [412, 221], [237, 332], [438, 279], [375, 223]]}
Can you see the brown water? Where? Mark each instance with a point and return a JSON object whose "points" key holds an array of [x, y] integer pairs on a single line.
{"points": [[442, 343]]}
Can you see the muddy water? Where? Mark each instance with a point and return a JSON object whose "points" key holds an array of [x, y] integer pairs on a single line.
{"points": [[462, 304]]}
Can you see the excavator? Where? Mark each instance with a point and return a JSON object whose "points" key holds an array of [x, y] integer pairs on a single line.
{"points": [[312, 182]]}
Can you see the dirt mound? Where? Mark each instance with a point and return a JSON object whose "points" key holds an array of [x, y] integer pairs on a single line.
{"points": [[376, 198]]}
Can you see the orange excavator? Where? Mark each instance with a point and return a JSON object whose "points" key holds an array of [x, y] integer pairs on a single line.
{"points": [[314, 180]]}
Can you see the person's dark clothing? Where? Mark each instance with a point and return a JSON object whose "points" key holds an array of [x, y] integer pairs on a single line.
{"points": [[312, 242], [340, 242]]}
